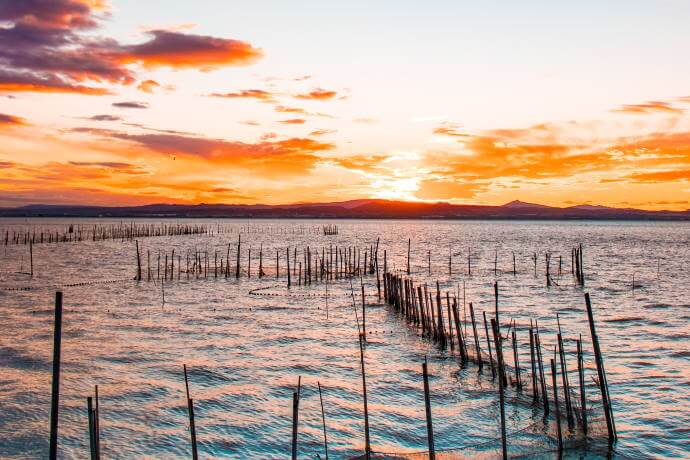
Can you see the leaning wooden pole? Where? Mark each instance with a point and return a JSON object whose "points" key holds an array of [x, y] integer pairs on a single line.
{"points": [[192, 428], [323, 418], [581, 374], [55, 396], [501, 389], [427, 404], [367, 439], [558, 410], [603, 384]]}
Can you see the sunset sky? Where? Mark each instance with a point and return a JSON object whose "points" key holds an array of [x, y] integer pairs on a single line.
{"points": [[135, 102]]}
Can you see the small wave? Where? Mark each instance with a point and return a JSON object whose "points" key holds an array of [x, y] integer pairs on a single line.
{"points": [[681, 354], [629, 319]]}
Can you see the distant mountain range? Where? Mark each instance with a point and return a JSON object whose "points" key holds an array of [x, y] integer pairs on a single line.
{"points": [[359, 209]]}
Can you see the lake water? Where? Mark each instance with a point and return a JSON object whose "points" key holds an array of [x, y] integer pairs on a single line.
{"points": [[245, 352]]}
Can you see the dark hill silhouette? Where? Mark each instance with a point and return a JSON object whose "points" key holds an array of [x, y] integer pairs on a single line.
{"points": [[365, 208]]}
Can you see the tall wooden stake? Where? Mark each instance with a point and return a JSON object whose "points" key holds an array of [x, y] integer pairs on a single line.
{"points": [[427, 404], [603, 384], [323, 417], [55, 395], [367, 439], [501, 389]]}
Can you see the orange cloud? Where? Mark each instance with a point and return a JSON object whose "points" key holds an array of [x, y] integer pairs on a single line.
{"points": [[293, 121], [261, 95], [283, 109], [449, 129], [285, 157], [649, 108], [148, 86], [179, 50], [366, 163], [317, 94], [322, 132], [661, 176], [26, 82], [11, 121]]}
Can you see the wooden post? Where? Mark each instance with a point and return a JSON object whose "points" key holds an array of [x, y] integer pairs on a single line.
{"points": [[295, 423], [364, 314], [97, 424], [192, 428], [55, 395], [323, 417], [581, 373], [409, 245], [533, 365], [498, 323], [439, 311], [427, 404], [564, 375], [555, 399], [376, 261], [367, 439], [499, 357], [458, 331], [287, 258], [92, 428], [582, 274], [603, 384], [450, 323], [138, 263], [480, 361], [488, 343], [31, 258], [542, 376], [239, 246], [516, 360]]}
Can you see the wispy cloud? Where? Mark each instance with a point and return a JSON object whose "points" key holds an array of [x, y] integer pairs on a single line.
{"points": [[105, 118], [259, 94], [649, 108], [317, 94], [11, 120], [131, 105]]}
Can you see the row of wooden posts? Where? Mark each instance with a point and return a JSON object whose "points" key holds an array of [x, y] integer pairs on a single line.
{"points": [[102, 232], [131, 231], [328, 264], [309, 266], [416, 305]]}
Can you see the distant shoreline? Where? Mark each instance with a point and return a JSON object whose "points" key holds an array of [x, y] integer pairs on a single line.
{"points": [[369, 209]]}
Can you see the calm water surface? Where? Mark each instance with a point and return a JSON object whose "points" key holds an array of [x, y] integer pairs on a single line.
{"points": [[245, 352]]}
